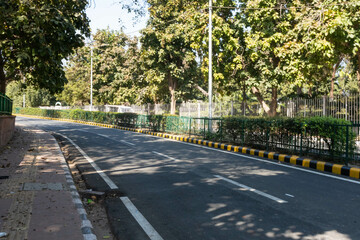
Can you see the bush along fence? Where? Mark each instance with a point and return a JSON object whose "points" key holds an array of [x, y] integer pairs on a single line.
{"points": [[321, 137], [6, 105]]}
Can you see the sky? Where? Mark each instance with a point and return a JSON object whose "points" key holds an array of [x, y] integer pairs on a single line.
{"points": [[107, 13]]}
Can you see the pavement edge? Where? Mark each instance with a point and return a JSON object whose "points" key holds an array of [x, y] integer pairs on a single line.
{"points": [[86, 227], [338, 169]]}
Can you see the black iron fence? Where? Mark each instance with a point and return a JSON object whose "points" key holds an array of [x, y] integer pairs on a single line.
{"points": [[322, 137]]}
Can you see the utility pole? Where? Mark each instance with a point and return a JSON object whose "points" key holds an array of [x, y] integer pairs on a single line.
{"points": [[210, 61], [91, 78]]}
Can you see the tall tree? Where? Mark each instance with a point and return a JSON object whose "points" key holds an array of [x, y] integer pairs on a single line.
{"points": [[166, 50], [116, 72], [35, 36]]}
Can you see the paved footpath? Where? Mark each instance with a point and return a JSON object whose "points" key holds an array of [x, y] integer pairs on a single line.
{"points": [[39, 200]]}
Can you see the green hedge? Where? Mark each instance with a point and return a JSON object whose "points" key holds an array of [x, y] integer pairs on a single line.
{"points": [[311, 136]]}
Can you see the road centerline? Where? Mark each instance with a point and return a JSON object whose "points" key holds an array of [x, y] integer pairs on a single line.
{"points": [[163, 155], [127, 143], [106, 136], [140, 219], [276, 199], [265, 161]]}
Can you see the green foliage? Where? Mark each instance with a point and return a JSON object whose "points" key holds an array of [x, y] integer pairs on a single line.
{"points": [[35, 36], [117, 77], [291, 133], [33, 97], [304, 135]]}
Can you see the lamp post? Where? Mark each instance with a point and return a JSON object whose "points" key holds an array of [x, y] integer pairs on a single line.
{"points": [[210, 63], [91, 77]]}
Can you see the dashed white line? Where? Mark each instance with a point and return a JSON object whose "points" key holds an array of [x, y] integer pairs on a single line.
{"points": [[289, 195], [106, 136], [163, 155], [266, 161], [127, 143], [146, 226], [251, 189]]}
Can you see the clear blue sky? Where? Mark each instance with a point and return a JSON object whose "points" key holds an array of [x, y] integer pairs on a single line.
{"points": [[107, 13]]}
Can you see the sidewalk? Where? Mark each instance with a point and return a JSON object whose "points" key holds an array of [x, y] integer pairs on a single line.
{"points": [[39, 200]]}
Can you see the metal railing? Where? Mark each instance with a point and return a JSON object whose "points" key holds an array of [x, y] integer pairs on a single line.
{"points": [[329, 141], [6, 105], [338, 142]]}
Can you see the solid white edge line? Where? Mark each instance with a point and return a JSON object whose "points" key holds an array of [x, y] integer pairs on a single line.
{"points": [[276, 199], [109, 182], [145, 225], [267, 161], [163, 155]]}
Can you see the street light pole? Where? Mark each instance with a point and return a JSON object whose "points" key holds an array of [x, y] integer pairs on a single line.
{"points": [[210, 60], [91, 77]]}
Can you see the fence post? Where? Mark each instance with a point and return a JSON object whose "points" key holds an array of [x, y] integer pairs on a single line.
{"points": [[346, 113], [188, 106], [267, 138], [204, 128], [189, 127], [221, 131], [347, 146], [301, 139], [324, 106]]}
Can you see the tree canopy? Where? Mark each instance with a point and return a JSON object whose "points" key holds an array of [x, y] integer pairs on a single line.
{"points": [[35, 36], [262, 49]]}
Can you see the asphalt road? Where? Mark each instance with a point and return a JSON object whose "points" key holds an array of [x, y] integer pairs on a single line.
{"points": [[175, 190]]}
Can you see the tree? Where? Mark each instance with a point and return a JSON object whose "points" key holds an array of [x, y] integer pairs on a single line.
{"points": [[35, 36], [169, 61], [117, 77], [33, 97]]}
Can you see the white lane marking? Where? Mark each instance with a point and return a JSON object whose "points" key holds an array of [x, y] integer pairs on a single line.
{"points": [[106, 136], [146, 226], [251, 189], [109, 182], [128, 143], [163, 155], [289, 195], [266, 161]]}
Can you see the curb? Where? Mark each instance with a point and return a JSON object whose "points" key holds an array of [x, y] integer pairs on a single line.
{"points": [[338, 169], [86, 227]]}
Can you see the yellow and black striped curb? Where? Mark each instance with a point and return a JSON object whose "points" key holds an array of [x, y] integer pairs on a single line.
{"points": [[291, 159]]}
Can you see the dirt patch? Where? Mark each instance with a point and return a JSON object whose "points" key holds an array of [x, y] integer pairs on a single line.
{"points": [[93, 203], [13, 153]]}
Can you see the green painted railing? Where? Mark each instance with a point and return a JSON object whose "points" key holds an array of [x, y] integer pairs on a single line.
{"points": [[327, 138], [5, 105]]}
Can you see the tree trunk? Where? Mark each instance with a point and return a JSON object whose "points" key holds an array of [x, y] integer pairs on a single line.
{"points": [[269, 110], [201, 90], [2, 77], [261, 100], [299, 91], [273, 104], [335, 67], [172, 88]]}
